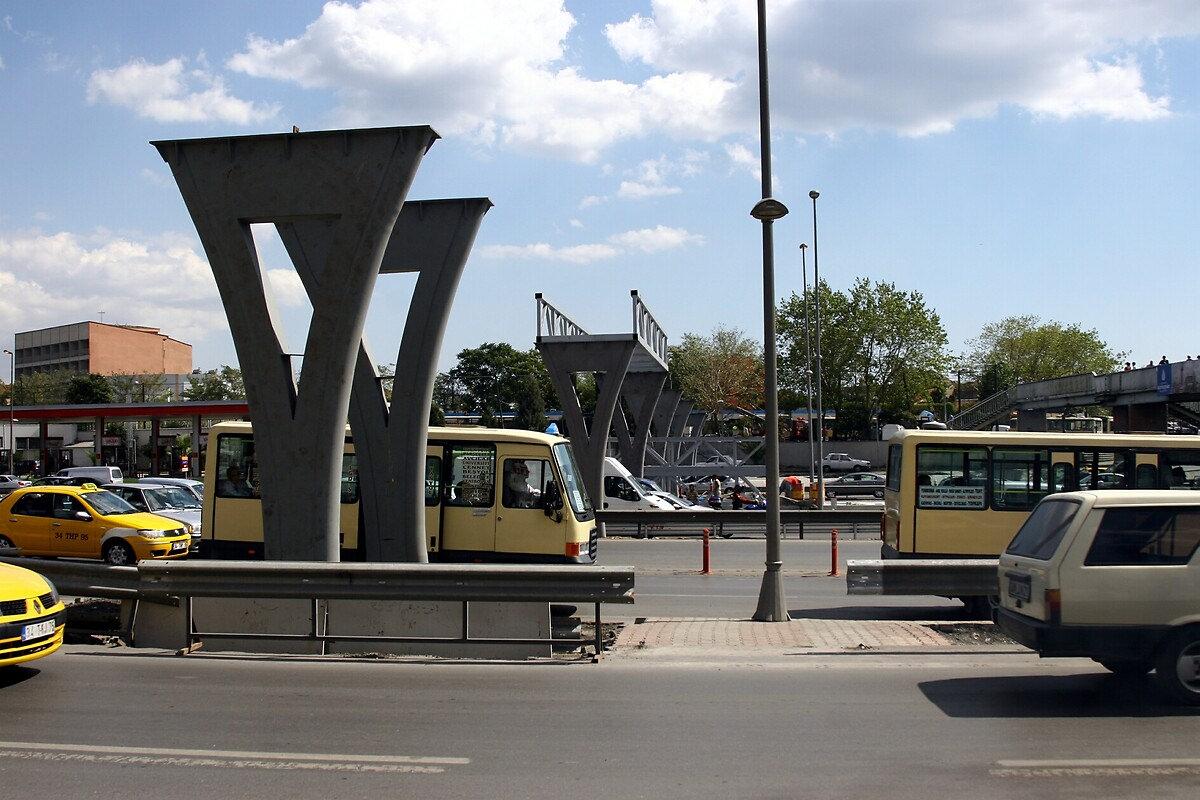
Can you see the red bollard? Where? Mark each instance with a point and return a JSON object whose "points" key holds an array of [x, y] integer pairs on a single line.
{"points": [[705, 568], [833, 554]]}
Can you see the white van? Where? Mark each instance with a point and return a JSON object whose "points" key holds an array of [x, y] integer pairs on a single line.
{"points": [[102, 475], [1112, 576], [623, 492]]}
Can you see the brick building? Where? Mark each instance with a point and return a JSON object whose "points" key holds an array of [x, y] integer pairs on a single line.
{"points": [[103, 349]]}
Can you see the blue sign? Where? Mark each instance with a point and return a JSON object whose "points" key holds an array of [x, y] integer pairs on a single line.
{"points": [[1164, 378]]}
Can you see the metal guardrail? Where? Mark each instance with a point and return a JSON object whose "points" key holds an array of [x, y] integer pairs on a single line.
{"points": [[552, 322], [685, 522], [395, 582], [948, 577], [79, 578], [647, 328]]}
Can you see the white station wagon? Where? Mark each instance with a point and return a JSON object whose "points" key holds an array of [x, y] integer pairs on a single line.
{"points": [[1113, 576]]}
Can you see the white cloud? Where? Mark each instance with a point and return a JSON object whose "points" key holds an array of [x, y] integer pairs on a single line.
{"points": [[743, 158], [576, 223], [167, 93], [577, 254], [632, 190], [494, 72], [51, 279], [286, 288], [916, 67], [656, 239], [156, 177], [42, 216], [646, 240], [592, 200]]}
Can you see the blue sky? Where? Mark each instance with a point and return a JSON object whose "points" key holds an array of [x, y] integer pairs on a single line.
{"points": [[1023, 158]]}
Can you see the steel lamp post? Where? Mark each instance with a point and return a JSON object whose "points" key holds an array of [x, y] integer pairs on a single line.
{"points": [[12, 410], [771, 605]]}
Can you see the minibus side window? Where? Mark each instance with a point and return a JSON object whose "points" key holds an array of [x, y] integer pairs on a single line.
{"points": [[525, 480], [1104, 469], [895, 452], [349, 478], [433, 480], [1179, 469], [471, 477], [237, 471], [1019, 478], [951, 477]]}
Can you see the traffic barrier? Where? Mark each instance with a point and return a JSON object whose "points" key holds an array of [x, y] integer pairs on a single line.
{"points": [[949, 577], [690, 522], [705, 568], [833, 553]]}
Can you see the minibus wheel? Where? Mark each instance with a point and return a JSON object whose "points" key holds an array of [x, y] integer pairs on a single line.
{"points": [[1178, 666]]}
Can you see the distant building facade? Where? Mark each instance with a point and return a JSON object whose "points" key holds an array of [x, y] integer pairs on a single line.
{"points": [[103, 349]]}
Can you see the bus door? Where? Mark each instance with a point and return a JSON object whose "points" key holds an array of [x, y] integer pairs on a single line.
{"points": [[433, 497], [469, 497], [348, 516], [521, 524], [233, 518]]}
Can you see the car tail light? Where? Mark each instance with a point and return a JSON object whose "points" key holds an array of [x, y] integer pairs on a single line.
{"points": [[1053, 599], [573, 549]]}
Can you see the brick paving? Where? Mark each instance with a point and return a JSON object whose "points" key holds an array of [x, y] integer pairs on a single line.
{"points": [[744, 635]]}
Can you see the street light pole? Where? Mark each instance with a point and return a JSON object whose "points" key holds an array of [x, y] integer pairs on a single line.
{"points": [[808, 367], [814, 194], [771, 606], [12, 409]]}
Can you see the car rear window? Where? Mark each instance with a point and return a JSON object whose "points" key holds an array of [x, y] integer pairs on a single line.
{"points": [[1145, 536], [1043, 531]]}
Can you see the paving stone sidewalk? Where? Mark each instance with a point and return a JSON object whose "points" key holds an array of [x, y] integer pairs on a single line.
{"points": [[722, 635]]}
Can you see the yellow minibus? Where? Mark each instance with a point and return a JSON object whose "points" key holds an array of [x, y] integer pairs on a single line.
{"points": [[484, 490], [958, 494]]}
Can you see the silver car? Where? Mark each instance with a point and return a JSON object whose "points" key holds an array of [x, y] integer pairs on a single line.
{"points": [[173, 502]]}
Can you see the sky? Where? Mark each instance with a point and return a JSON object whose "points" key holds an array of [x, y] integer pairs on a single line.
{"points": [[1000, 158]]}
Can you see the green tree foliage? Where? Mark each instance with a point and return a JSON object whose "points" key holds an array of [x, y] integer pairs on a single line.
{"points": [[883, 350], [139, 388], [721, 370], [43, 388], [90, 388], [1021, 349], [217, 384], [495, 378]]}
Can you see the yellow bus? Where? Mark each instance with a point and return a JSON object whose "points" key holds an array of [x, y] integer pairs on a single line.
{"points": [[484, 490], [959, 494]]}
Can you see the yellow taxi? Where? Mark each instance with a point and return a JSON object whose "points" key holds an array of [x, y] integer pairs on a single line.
{"points": [[30, 616], [87, 522]]}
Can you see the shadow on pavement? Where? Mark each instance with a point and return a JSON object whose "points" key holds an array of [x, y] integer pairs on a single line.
{"points": [[1049, 696], [955, 613], [11, 676]]}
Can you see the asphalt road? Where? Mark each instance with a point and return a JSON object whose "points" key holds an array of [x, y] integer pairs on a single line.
{"points": [[115, 726], [669, 583]]}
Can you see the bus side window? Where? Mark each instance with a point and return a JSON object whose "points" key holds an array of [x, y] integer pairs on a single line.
{"points": [[349, 478], [433, 480], [1180, 469], [472, 476], [1062, 478], [1146, 476]]}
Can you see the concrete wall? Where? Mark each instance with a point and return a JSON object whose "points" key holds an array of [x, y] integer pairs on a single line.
{"points": [[793, 456], [116, 350]]}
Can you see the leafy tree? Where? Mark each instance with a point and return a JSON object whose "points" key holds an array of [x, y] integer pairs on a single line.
{"points": [[42, 388], [723, 369], [883, 352], [90, 388], [217, 384], [436, 417], [493, 378], [531, 405], [1021, 349], [140, 388]]}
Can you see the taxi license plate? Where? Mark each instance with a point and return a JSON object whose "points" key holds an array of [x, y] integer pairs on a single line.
{"points": [[177, 546], [37, 630]]}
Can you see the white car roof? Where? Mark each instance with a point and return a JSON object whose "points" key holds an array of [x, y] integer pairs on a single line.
{"points": [[1104, 498]]}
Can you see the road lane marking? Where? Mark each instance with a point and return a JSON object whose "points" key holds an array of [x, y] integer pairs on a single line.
{"points": [[1095, 767], [342, 762]]}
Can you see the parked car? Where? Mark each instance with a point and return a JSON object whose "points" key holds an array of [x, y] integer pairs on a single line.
{"points": [[62, 480], [172, 502], [9, 483], [87, 522], [856, 484], [843, 462], [675, 501], [30, 616], [193, 486], [98, 475], [1112, 576]]}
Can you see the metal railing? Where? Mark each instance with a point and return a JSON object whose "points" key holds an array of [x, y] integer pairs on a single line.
{"points": [[80, 578], [686, 522], [983, 412], [647, 328], [552, 322], [388, 582], [949, 577]]}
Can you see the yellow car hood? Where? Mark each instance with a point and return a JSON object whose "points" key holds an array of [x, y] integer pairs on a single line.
{"points": [[144, 520], [17, 583]]}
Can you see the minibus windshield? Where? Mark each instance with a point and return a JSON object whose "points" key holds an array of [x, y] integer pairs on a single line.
{"points": [[573, 488]]}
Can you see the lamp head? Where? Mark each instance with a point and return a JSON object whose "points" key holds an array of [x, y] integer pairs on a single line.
{"points": [[814, 194], [768, 210]]}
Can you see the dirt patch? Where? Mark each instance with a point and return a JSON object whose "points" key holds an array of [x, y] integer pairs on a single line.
{"points": [[92, 621], [967, 633]]}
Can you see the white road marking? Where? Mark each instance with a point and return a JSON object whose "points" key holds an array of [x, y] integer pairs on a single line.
{"points": [[344, 762], [1094, 767]]}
